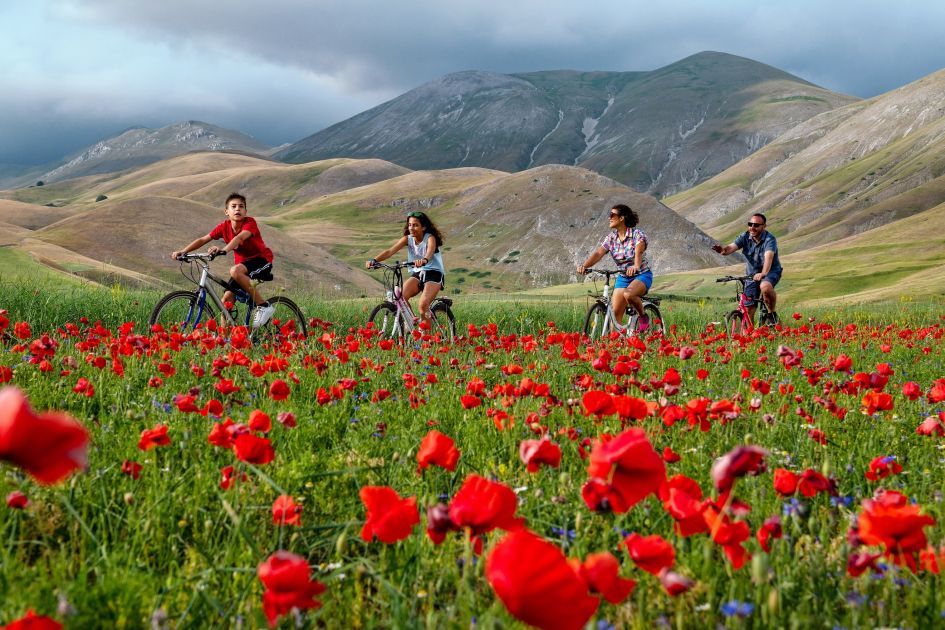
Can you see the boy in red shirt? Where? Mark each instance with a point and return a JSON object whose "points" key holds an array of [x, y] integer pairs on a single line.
{"points": [[251, 256]]}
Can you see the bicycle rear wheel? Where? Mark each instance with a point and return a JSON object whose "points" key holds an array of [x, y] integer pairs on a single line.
{"points": [[385, 320], [735, 324], [444, 324], [596, 324], [181, 311], [287, 322], [656, 325]]}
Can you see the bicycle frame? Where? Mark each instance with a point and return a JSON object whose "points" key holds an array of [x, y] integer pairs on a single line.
{"points": [[611, 322], [205, 290], [743, 302]]}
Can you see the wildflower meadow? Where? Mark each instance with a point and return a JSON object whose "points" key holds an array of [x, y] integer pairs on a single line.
{"points": [[517, 474]]}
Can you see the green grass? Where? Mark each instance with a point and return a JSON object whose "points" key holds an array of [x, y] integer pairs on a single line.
{"points": [[173, 544]]}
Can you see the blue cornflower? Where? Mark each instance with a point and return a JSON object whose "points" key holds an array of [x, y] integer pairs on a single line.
{"points": [[845, 501], [791, 507], [855, 599], [736, 608], [603, 624]]}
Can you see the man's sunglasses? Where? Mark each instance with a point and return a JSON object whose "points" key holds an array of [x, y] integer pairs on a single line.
{"points": [[753, 224]]}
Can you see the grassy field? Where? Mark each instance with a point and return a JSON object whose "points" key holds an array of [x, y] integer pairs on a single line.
{"points": [[173, 548]]}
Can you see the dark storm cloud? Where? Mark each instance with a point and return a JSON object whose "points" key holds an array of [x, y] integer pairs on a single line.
{"points": [[283, 69]]}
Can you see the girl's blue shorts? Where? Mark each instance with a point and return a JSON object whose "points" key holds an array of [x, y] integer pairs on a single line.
{"points": [[624, 281]]}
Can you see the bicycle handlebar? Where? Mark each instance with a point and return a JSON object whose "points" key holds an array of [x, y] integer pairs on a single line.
{"points": [[734, 278], [397, 265], [603, 272], [199, 256]]}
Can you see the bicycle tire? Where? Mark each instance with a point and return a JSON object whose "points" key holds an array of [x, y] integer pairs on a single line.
{"points": [[596, 324], [735, 324], [442, 313], [657, 324], [287, 322], [384, 317], [181, 311]]}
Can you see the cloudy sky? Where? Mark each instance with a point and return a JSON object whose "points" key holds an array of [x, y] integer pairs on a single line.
{"points": [[76, 71]]}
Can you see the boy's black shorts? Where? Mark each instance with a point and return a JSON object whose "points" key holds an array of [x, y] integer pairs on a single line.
{"points": [[256, 268]]}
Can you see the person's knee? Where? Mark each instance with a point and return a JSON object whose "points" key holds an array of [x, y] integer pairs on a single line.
{"points": [[237, 271]]}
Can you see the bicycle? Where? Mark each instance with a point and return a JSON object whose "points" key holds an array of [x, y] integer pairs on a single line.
{"points": [[183, 311], [394, 319], [738, 321], [601, 320]]}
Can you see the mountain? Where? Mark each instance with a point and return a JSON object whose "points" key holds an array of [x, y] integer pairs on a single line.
{"points": [[139, 146], [659, 132], [324, 219], [502, 231], [839, 174]]}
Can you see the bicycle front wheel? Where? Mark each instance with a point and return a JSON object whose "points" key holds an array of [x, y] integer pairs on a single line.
{"points": [[444, 324], [595, 324], [181, 311], [287, 322], [385, 320], [657, 325]]}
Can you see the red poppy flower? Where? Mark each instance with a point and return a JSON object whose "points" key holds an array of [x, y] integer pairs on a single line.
{"points": [[534, 453], [287, 578], [674, 583], [937, 392], [882, 467], [253, 450], [285, 511], [151, 438], [631, 408], [931, 427], [740, 461], [469, 402], [650, 553], [17, 500], [228, 476], [859, 563], [634, 469], [186, 403], [537, 585], [877, 401], [259, 421], [811, 482], [32, 621], [49, 446], [131, 468], [785, 482], [843, 363], [279, 390], [482, 505], [770, 529], [896, 526], [601, 573], [670, 456], [287, 419], [213, 408], [598, 403], [911, 390], [727, 533], [682, 499], [225, 386], [21, 330], [439, 450], [389, 517]]}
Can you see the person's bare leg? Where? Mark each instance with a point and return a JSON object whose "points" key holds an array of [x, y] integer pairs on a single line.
{"points": [[619, 303], [239, 273], [430, 291]]}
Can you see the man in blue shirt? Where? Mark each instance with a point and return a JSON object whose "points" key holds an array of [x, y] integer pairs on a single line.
{"points": [[760, 249]]}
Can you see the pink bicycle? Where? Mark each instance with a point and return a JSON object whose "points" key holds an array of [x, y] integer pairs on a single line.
{"points": [[737, 321]]}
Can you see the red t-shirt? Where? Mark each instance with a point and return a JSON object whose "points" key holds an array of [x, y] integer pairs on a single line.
{"points": [[253, 247]]}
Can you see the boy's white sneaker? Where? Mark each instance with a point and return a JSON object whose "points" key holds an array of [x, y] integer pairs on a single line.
{"points": [[262, 315]]}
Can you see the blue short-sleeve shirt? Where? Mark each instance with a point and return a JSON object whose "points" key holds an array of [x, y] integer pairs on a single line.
{"points": [[755, 252]]}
